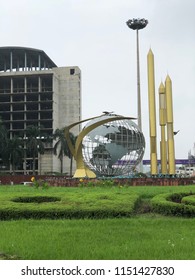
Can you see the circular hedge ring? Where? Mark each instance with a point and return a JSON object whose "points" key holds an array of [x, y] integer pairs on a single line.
{"points": [[36, 199], [174, 204], [189, 200], [66, 205]]}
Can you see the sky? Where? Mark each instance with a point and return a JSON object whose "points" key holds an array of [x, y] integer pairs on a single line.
{"points": [[93, 35]]}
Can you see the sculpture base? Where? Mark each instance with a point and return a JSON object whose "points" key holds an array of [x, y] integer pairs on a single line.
{"points": [[84, 173]]}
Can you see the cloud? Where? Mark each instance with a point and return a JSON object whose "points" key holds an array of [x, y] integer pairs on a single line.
{"points": [[93, 35]]}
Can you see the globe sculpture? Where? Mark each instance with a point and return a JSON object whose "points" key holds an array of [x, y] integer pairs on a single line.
{"points": [[114, 148]]}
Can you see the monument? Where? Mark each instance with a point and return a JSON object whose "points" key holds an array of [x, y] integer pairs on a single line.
{"points": [[108, 145]]}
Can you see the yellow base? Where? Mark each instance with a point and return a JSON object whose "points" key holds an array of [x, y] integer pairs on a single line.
{"points": [[84, 173]]}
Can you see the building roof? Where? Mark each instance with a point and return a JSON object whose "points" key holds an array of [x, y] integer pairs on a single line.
{"points": [[12, 57]]}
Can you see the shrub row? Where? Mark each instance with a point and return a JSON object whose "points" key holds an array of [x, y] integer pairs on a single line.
{"points": [[189, 200], [171, 204], [36, 199], [39, 207]]}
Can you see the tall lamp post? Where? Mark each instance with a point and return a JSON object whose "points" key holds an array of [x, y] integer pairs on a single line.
{"points": [[137, 24]]}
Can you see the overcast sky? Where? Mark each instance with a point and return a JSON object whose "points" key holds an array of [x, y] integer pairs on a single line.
{"points": [[93, 35]]}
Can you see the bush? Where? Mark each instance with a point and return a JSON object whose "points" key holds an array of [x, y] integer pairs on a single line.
{"points": [[39, 183], [77, 204], [36, 199], [189, 200], [170, 204]]}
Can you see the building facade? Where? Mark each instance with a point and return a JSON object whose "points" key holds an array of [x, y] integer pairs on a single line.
{"points": [[35, 92]]}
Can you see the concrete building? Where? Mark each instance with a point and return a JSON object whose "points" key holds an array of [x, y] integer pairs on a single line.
{"points": [[34, 91]]}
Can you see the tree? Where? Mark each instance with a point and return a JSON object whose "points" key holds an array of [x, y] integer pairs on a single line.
{"points": [[34, 142], [15, 151], [61, 147], [4, 141], [73, 139]]}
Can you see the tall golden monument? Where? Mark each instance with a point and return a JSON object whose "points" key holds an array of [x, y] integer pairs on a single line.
{"points": [[170, 132], [167, 150], [163, 122], [152, 113]]}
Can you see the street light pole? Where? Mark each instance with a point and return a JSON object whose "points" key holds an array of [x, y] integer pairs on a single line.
{"points": [[138, 85], [137, 24]]}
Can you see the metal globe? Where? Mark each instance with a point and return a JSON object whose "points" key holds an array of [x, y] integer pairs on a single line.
{"points": [[114, 148]]}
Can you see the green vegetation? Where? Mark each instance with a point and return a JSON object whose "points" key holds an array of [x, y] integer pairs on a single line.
{"points": [[190, 199], [14, 151], [170, 204], [141, 234], [125, 238], [69, 203], [61, 147]]}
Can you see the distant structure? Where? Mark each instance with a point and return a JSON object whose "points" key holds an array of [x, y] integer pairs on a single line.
{"points": [[186, 167], [34, 91]]}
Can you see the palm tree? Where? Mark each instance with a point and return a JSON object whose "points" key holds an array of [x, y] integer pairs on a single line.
{"points": [[15, 151], [4, 141], [61, 147], [73, 139], [34, 142]]}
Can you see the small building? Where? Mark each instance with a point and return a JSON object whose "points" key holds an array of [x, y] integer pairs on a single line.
{"points": [[186, 171]]}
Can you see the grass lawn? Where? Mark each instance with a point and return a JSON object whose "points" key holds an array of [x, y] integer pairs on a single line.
{"points": [[141, 236]]}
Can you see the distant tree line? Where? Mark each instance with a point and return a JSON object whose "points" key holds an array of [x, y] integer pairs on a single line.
{"points": [[13, 151]]}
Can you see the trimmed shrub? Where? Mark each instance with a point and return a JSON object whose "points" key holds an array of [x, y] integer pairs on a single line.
{"points": [[69, 205], [189, 200], [170, 204], [36, 199]]}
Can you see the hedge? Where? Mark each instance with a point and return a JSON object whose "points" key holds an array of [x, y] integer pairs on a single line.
{"points": [[88, 205], [172, 204], [189, 200]]}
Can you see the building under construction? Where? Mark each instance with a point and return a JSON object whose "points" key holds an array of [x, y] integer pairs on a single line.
{"points": [[34, 91]]}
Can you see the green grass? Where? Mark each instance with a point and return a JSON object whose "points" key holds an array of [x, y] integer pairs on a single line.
{"points": [[143, 236], [125, 238]]}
